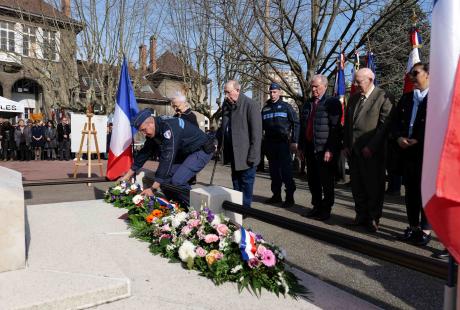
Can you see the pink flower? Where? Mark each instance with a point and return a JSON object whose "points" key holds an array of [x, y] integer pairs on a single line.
{"points": [[210, 238], [194, 223], [219, 255], [253, 262], [268, 258], [167, 236], [260, 250], [200, 234], [186, 230], [165, 227], [194, 214], [200, 252], [222, 229]]}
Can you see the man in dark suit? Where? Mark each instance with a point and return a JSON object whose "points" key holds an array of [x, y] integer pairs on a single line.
{"points": [[409, 130], [367, 121], [183, 110], [241, 137], [319, 145]]}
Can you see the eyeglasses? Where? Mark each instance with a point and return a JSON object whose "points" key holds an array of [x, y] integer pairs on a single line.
{"points": [[415, 73]]}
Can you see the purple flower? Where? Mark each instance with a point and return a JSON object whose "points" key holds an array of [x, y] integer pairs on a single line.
{"points": [[210, 216], [259, 238]]}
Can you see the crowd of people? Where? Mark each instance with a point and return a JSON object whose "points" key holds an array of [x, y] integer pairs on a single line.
{"points": [[35, 140], [324, 135]]}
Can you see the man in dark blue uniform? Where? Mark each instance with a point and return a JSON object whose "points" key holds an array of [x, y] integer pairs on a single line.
{"points": [[281, 134], [173, 137]]}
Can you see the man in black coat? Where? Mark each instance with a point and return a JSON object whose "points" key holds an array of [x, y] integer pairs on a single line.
{"points": [[281, 134], [63, 133], [241, 137], [409, 130], [319, 145]]}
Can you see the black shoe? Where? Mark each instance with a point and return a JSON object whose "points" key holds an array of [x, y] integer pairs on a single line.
{"points": [[274, 199], [288, 204], [422, 239], [441, 255], [407, 235], [312, 213], [323, 216]]}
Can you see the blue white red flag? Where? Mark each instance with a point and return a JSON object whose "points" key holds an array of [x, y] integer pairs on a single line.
{"points": [[370, 63], [120, 152], [247, 244], [414, 57], [340, 87], [441, 161], [166, 203]]}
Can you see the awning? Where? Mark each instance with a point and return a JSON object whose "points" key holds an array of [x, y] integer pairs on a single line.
{"points": [[7, 105]]}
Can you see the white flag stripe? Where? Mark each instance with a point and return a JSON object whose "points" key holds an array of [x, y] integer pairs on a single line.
{"points": [[414, 57], [121, 130], [444, 55]]}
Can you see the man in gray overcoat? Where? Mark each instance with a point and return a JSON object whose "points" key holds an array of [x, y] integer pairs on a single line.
{"points": [[241, 137]]}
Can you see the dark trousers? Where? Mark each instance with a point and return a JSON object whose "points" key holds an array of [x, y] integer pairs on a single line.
{"points": [[243, 181], [182, 173], [64, 150], [280, 165], [413, 184], [320, 178], [23, 151], [367, 176]]}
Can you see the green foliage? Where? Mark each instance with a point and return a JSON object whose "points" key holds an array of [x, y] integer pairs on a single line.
{"points": [[206, 242]]}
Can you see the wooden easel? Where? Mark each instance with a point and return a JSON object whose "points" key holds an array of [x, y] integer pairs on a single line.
{"points": [[88, 130]]}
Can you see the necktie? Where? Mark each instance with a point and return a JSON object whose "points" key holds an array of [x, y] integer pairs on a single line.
{"points": [[359, 107], [311, 119]]}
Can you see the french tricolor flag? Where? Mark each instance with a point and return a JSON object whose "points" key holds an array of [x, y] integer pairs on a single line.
{"points": [[247, 245], [120, 152], [414, 57], [441, 158]]}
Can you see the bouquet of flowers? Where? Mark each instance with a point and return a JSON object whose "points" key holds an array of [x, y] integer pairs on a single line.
{"points": [[210, 244]]}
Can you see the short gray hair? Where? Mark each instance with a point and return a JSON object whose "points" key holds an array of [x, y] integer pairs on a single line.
{"points": [[367, 73], [234, 84], [321, 78]]}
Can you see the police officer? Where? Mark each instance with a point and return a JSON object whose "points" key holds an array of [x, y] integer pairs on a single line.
{"points": [[281, 134], [173, 137]]}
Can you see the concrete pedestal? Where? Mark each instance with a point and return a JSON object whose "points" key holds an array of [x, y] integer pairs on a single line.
{"points": [[12, 226], [213, 197]]}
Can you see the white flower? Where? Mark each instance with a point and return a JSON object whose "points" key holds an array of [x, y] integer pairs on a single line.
{"points": [[216, 221], [133, 187], [223, 244], [117, 188], [178, 219], [187, 251], [138, 199], [128, 191], [237, 236], [170, 247], [123, 184], [236, 269]]}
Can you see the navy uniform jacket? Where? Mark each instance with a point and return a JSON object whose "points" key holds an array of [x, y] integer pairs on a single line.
{"points": [[174, 137], [280, 122], [189, 116]]}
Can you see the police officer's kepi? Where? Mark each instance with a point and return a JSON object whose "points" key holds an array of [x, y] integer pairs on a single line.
{"points": [[141, 117], [274, 86]]}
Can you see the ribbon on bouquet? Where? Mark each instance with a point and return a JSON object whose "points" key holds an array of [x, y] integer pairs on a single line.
{"points": [[247, 244]]}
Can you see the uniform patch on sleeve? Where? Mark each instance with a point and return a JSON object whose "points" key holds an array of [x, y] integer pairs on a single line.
{"points": [[167, 134]]}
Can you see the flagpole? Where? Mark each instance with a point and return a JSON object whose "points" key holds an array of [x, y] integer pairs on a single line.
{"points": [[450, 290]]}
